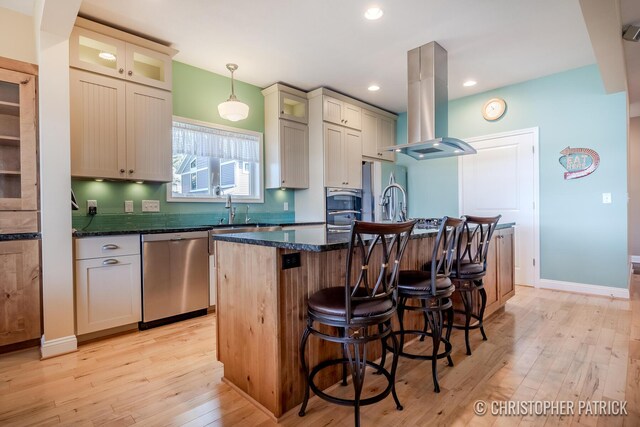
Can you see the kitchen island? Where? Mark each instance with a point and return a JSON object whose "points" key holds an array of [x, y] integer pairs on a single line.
{"points": [[264, 281]]}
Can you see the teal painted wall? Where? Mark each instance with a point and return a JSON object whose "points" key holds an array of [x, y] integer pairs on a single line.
{"points": [[196, 95], [581, 239]]}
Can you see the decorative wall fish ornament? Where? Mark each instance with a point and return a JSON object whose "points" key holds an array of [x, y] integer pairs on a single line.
{"points": [[579, 162]]}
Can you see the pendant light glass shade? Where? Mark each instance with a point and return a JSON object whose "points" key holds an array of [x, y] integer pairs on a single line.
{"points": [[232, 109]]}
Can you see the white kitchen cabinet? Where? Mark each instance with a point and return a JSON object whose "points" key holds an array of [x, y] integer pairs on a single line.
{"points": [[286, 141], [378, 132], [342, 157], [119, 130], [103, 54], [342, 113], [108, 287]]}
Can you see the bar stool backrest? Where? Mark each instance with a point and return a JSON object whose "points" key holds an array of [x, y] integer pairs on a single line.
{"points": [[473, 246], [444, 249], [369, 238]]}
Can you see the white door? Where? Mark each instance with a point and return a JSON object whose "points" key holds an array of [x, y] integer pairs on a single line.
{"points": [[500, 180]]}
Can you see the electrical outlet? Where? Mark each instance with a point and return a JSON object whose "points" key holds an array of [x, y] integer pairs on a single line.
{"points": [[290, 260], [128, 206], [92, 207], [606, 198], [151, 206], [286, 206]]}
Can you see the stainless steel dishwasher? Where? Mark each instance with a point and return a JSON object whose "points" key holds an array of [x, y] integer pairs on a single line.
{"points": [[175, 277]]}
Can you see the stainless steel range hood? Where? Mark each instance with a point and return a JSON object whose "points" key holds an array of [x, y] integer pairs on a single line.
{"points": [[427, 110]]}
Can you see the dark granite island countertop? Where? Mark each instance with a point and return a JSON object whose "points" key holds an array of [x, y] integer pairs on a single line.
{"points": [[312, 240]]}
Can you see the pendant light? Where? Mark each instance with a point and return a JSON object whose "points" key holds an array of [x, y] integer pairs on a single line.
{"points": [[232, 109]]}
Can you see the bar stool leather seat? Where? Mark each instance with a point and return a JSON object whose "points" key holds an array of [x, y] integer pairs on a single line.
{"points": [[420, 281], [330, 302], [468, 270]]}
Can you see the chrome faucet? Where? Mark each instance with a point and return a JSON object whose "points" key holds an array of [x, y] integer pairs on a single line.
{"points": [[232, 210], [384, 200], [246, 215]]}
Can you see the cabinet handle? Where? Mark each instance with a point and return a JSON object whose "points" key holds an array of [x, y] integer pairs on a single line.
{"points": [[109, 246], [130, 170], [130, 73], [109, 261], [121, 70], [346, 121], [121, 170]]}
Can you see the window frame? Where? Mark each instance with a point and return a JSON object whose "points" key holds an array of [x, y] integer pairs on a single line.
{"points": [[222, 199]]}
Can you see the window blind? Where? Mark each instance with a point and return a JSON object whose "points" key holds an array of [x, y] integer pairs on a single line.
{"points": [[211, 142]]}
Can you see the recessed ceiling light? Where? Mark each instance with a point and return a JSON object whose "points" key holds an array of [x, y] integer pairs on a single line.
{"points": [[373, 13], [374, 88], [107, 55], [469, 83]]}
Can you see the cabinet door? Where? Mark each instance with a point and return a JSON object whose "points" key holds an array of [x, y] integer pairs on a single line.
{"points": [[20, 290], [353, 159], [293, 107], [370, 134], [148, 132], [294, 154], [18, 162], [387, 137], [332, 110], [506, 282], [148, 67], [98, 146], [96, 52], [334, 156], [107, 293], [352, 116]]}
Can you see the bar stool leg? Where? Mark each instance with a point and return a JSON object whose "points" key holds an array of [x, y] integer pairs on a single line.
{"points": [[400, 311], [358, 362], [394, 366], [305, 368], [467, 301], [435, 320], [342, 333], [450, 314], [426, 322], [483, 298], [383, 357]]}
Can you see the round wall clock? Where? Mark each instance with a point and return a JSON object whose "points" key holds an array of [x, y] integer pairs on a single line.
{"points": [[493, 109]]}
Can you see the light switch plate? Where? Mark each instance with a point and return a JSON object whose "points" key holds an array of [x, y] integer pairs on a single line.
{"points": [[286, 206], [151, 206], [606, 198], [128, 206]]}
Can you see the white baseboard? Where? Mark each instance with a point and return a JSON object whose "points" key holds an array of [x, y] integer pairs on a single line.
{"points": [[583, 288], [635, 258], [58, 346]]}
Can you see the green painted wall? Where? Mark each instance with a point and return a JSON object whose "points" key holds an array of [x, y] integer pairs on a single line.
{"points": [[196, 95], [581, 239]]}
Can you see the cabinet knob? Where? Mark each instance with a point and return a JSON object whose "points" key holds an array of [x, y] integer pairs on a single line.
{"points": [[283, 181], [282, 112], [121, 170], [346, 121], [130, 73], [121, 70], [130, 170]]}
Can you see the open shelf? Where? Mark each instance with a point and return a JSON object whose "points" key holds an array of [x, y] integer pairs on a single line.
{"points": [[9, 108]]}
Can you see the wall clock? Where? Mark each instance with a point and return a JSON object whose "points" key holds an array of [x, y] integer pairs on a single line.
{"points": [[493, 109]]}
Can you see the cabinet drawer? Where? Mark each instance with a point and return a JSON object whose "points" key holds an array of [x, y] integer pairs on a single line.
{"points": [[107, 246]]}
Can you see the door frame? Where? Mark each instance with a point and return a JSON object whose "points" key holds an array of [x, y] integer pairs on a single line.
{"points": [[534, 131]]}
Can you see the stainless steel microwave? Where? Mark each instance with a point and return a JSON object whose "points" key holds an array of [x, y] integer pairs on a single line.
{"points": [[343, 205]]}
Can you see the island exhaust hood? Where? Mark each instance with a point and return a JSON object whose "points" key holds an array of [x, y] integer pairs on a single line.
{"points": [[427, 110]]}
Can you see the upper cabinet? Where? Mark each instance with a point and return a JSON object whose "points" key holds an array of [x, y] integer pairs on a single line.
{"points": [[342, 113], [286, 137], [121, 105], [107, 55], [378, 132]]}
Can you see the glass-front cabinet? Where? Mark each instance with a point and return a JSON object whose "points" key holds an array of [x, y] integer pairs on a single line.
{"points": [[18, 165], [106, 55]]}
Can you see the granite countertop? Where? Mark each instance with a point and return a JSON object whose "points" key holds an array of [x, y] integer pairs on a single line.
{"points": [[117, 230], [20, 236], [311, 240]]}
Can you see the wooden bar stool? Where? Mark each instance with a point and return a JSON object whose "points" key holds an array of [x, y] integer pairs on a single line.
{"points": [[470, 268], [433, 289], [360, 311]]}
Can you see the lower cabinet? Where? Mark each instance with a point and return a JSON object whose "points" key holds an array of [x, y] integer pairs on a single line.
{"points": [[108, 288], [19, 291], [499, 281]]}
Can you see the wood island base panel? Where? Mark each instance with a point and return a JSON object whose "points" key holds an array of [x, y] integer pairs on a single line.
{"points": [[262, 307]]}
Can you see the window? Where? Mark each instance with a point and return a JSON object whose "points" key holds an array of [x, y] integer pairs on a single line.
{"points": [[212, 161]]}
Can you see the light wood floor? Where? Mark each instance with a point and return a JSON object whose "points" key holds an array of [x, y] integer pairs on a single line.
{"points": [[546, 345]]}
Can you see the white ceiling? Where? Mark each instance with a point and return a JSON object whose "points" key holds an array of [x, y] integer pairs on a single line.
{"points": [[328, 43]]}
